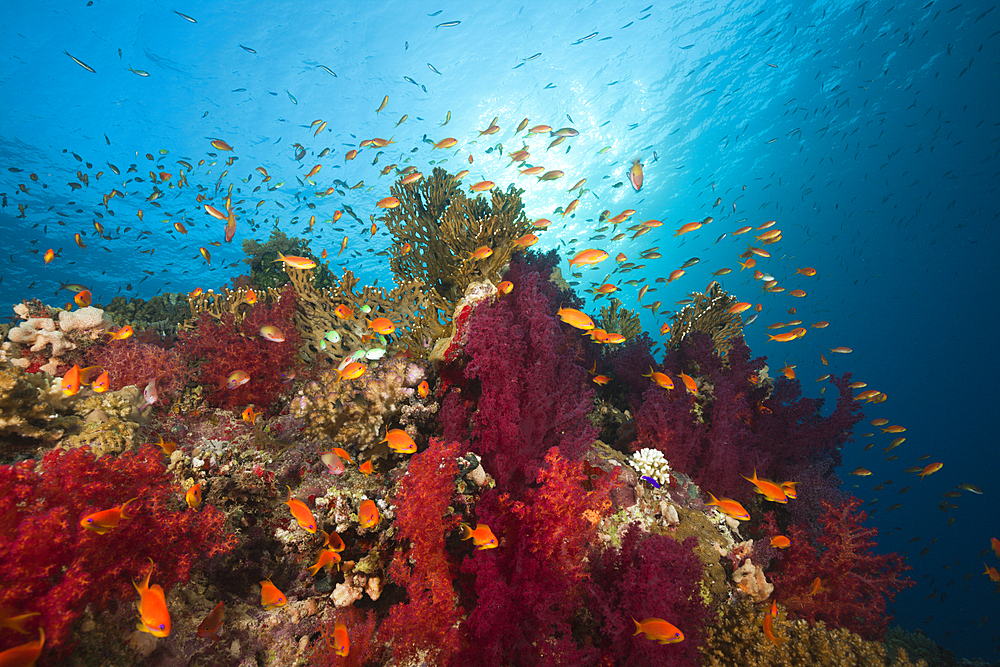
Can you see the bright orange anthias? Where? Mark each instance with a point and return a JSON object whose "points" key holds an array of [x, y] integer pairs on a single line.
{"points": [[301, 512], [767, 488]]}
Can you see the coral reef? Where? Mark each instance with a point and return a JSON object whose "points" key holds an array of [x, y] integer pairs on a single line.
{"points": [[737, 639], [358, 412], [437, 228], [235, 302], [217, 349], [266, 272], [707, 314], [51, 565], [161, 313], [39, 331], [857, 584], [27, 418]]}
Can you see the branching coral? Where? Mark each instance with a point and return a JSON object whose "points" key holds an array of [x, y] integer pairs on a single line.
{"points": [[428, 620], [51, 565], [26, 418], [441, 228], [412, 309], [236, 302], [615, 319], [857, 584], [358, 412], [266, 272], [736, 638], [707, 314]]}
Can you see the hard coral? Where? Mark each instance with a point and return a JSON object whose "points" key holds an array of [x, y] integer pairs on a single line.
{"points": [[358, 412], [215, 349], [736, 638], [51, 565], [428, 621], [857, 584]]}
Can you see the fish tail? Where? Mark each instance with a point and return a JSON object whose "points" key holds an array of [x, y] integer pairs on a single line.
{"points": [[466, 530], [638, 627]]}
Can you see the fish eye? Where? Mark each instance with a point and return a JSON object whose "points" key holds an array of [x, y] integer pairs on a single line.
{"points": [[162, 626], [90, 521]]}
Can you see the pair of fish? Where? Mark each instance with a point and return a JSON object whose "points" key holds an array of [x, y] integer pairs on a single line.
{"points": [[76, 377]]}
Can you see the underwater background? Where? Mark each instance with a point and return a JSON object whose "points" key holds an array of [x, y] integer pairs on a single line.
{"points": [[869, 131]]}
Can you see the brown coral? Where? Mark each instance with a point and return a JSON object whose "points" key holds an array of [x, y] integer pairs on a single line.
{"points": [[437, 228], [708, 313], [409, 307], [615, 319], [237, 302], [27, 420], [736, 638], [358, 412]]}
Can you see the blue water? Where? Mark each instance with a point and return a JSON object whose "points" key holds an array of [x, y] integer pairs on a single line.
{"points": [[868, 130]]}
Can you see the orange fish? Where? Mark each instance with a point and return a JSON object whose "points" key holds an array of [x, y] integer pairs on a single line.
{"points": [[665, 329], [106, 520], [71, 381], [351, 154], [481, 536], [210, 627], [154, 617], [343, 311], [167, 446], [675, 274], [296, 262], [251, 296], [894, 429], [388, 202], [590, 256], [841, 350], [482, 252], [382, 325], [79, 240], [601, 379], [24, 655], [193, 496], [861, 472], [15, 623], [570, 207], [575, 318], [505, 287], [221, 145], [689, 383], [783, 337], [768, 626], [301, 512], [992, 572], [399, 441], [328, 558], [483, 186], [341, 642], [806, 271], [929, 469], [206, 254], [352, 371], [368, 515], [730, 507], [367, 467], [270, 596], [661, 379], [788, 488], [780, 542], [49, 255], [817, 587], [767, 488], [423, 389], [526, 240], [447, 142], [995, 543], [313, 172], [658, 630], [739, 307], [250, 416], [689, 227], [121, 334], [788, 371]]}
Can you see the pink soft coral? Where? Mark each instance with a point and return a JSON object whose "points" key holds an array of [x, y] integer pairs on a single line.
{"points": [[857, 584]]}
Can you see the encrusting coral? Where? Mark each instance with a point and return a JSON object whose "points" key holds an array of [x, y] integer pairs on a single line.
{"points": [[437, 230], [40, 331], [736, 638], [25, 413], [359, 411]]}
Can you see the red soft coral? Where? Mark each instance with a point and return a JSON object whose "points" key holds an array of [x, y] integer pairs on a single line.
{"points": [[218, 348], [857, 584], [51, 565], [130, 362], [428, 620]]}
